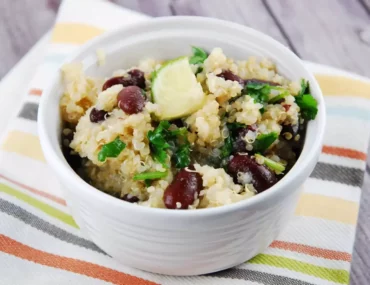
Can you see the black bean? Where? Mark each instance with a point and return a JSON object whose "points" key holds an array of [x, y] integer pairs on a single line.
{"points": [[291, 129], [135, 78], [262, 177], [183, 189], [228, 75], [130, 198], [131, 100], [240, 144], [98, 115]]}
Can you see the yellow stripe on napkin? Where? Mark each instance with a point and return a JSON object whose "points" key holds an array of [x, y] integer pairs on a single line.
{"points": [[74, 33], [24, 144], [343, 86], [329, 208], [44, 207]]}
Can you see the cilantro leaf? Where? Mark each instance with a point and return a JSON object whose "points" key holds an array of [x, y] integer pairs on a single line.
{"points": [[304, 87], [306, 102], [181, 156], [263, 141], [259, 92], [277, 98], [158, 143], [227, 148], [308, 106], [112, 149], [162, 139], [232, 127], [199, 56], [150, 175]]}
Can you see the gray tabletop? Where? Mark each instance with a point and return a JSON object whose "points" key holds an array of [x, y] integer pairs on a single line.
{"points": [[332, 32]]}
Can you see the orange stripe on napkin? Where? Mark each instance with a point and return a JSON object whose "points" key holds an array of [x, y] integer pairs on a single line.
{"points": [[345, 152], [74, 33], [37, 192], [23, 251], [35, 91], [311, 250]]}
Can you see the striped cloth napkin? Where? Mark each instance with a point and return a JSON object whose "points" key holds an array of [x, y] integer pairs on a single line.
{"points": [[41, 244]]}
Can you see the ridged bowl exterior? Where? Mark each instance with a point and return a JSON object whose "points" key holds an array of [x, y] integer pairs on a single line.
{"points": [[188, 247], [169, 241]]}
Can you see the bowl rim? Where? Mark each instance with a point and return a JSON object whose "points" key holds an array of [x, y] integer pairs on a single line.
{"points": [[64, 170]]}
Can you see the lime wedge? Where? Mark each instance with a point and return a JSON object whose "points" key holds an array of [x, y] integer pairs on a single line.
{"points": [[176, 89]]}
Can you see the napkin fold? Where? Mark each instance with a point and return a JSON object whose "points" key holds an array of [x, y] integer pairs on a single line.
{"points": [[40, 243]]}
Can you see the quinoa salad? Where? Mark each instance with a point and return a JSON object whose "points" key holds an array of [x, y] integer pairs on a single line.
{"points": [[198, 131]]}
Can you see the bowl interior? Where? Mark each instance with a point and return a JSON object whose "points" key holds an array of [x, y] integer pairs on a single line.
{"points": [[168, 38]]}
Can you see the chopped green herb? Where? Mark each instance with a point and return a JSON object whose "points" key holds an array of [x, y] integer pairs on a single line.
{"points": [[148, 182], [232, 127], [262, 110], [263, 141], [259, 92], [308, 106], [304, 87], [150, 175], [227, 148], [182, 132], [199, 56], [158, 143], [181, 156], [199, 70], [112, 149], [276, 166], [162, 139], [306, 102], [277, 98]]}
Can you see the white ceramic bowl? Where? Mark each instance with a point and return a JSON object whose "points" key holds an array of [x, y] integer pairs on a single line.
{"points": [[168, 241]]}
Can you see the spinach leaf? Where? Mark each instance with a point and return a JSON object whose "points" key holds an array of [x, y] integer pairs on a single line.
{"points": [[150, 175], [263, 141], [112, 149], [199, 56], [306, 102]]}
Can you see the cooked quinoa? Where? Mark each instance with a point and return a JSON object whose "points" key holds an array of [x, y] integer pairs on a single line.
{"points": [[240, 138]]}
